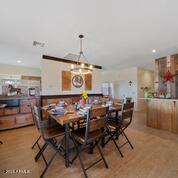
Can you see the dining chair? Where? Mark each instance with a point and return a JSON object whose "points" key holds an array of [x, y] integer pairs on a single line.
{"points": [[36, 124], [128, 100], [49, 133], [93, 133], [118, 126]]}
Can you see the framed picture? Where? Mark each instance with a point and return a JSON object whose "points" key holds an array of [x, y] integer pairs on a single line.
{"points": [[32, 91], [77, 81]]}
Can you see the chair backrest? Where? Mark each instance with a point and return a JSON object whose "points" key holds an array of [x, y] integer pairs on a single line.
{"points": [[128, 100], [117, 101], [127, 112], [33, 115], [37, 115], [96, 120]]}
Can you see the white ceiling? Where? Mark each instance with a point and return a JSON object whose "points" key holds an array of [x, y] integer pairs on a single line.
{"points": [[118, 33]]}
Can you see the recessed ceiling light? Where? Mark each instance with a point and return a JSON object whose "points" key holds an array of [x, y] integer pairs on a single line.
{"points": [[153, 50], [19, 61]]}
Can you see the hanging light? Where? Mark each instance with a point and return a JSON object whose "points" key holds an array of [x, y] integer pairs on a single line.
{"points": [[80, 67]]}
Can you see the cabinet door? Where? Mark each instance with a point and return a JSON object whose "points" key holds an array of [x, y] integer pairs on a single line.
{"points": [[7, 122], [24, 118], [25, 105], [11, 111], [1, 111]]}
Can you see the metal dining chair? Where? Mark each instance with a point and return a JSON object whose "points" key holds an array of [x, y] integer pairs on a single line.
{"points": [[91, 134], [118, 126], [36, 124], [49, 133]]}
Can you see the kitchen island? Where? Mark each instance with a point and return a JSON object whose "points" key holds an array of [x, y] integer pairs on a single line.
{"points": [[162, 114]]}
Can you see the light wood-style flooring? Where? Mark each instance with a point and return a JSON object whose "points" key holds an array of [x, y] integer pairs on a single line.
{"points": [[155, 155]]}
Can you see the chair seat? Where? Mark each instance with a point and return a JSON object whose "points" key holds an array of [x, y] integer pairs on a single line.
{"points": [[52, 129], [80, 135], [113, 123]]}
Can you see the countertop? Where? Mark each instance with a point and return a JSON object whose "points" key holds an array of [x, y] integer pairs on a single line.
{"points": [[2, 97], [165, 99]]}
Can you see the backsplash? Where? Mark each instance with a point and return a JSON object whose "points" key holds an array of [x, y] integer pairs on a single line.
{"points": [[24, 85]]}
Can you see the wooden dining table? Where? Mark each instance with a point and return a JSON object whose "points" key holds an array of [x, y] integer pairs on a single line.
{"points": [[66, 119]]}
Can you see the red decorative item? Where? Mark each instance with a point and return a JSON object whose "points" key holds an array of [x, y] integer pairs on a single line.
{"points": [[83, 102], [168, 77]]}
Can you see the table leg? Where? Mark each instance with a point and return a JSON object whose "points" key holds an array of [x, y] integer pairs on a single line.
{"points": [[117, 134], [67, 145]]}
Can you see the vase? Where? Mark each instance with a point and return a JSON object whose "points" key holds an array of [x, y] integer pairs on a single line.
{"points": [[146, 94], [83, 102]]}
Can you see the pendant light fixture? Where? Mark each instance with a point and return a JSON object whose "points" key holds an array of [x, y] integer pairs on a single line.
{"points": [[81, 68]]}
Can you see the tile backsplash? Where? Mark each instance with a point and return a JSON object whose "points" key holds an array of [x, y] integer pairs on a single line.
{"points": [[24, 85]]}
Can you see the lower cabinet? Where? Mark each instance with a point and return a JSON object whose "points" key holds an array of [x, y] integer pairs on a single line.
{"points": [[1, 111], [24, 118], [7, 122], [11, 110], [15, 121], [19, 115]]}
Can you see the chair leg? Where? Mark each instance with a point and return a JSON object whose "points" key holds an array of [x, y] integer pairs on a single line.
{"points": [[36, 142], [117, 147], [102, 156], [57, 150], [127, 139], [82, 165], [110, 134], [113, 139], [80, 160], [40, 152], [42, 155], [90, 149], [48, 164]]}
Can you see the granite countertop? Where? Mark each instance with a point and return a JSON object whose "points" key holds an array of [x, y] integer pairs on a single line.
{"points": [[165, 99]]}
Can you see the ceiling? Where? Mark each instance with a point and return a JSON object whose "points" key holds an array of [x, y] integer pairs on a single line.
{"points": [[118, 33]]}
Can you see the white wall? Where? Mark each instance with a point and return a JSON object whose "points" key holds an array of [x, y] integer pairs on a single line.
{"points": [[51, 79], [145, 79], [120, 80], [19, 70]]}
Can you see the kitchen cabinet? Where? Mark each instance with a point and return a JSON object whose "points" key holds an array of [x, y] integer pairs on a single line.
{"points": [[18, 116]]}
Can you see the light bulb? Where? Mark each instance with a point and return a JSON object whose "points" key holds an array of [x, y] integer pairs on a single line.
{"points": [[154, 51], [82, 65], [91, 67], [72, 66]]}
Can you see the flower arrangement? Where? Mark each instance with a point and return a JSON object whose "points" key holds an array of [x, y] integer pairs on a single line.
{"points": [[145, 89], [147, 92], [84, 98], [84, 95]]}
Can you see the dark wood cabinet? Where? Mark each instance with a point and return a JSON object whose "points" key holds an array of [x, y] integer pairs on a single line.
{"points": [[7, 122], [14, 117], [25, 105], [24, 118], [11, 110], [1, 111]]}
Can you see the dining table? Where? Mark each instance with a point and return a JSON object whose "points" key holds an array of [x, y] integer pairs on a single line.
{"points": [[73, 117]]}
